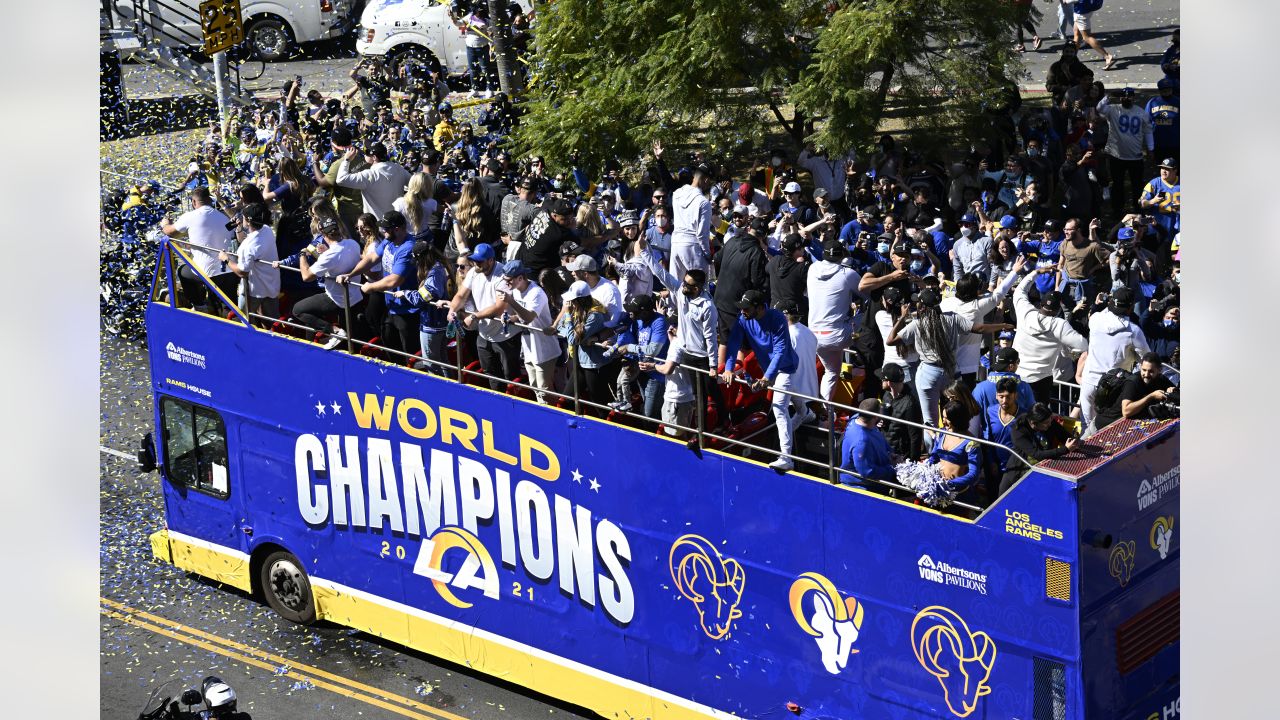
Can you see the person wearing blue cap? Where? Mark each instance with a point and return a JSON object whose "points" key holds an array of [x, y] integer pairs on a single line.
{"points": [[497, 346], [1163, 197], [1133, 267], [972, 249], [530, 304], [864, 451]]}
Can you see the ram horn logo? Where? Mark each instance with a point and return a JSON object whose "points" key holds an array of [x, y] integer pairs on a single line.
{"points": [[834, 623], [1121, 561], [1162, 535], [713, 583], [961, 660]]}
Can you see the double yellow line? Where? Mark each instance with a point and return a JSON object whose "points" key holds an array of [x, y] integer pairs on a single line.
{"points": [[274, 663]]}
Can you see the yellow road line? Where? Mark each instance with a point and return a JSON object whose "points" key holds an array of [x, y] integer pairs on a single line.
{"points": [[269, 661]]}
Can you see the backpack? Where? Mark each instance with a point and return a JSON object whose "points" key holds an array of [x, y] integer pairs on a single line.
{"points": [[1087, 6], [1109, 387]]}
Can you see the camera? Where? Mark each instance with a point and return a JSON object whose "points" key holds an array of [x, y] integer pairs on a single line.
{"points": [[1170, 407]]}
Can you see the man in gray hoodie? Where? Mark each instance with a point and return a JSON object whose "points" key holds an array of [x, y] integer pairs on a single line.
{"points": [[691, 218], [831, 287], [1115, 341]]}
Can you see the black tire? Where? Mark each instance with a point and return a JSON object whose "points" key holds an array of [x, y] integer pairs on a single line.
{"points": [[269, 38], [287, 588]]}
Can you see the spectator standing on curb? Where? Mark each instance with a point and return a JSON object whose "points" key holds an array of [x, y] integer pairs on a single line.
{"points": [[1084, 10]]}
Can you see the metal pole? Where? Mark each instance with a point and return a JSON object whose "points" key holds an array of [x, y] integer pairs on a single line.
{"points": [[346, 311], [458, 344], [832, 474], [222, 80], [573, 369], [700, 408]]}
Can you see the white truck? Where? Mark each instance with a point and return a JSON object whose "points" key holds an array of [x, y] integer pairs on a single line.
{"points": [[273, 28], [418, 30]]}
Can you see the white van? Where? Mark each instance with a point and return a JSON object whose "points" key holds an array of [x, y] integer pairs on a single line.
{"points": [[421, 30], [272, 27]]}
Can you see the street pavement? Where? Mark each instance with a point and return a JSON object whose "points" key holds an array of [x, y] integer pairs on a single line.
{"points": [[160, 625]]}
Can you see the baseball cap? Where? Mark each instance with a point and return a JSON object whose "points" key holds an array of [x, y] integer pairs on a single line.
{"points": [[787, 307], [792, 243], [891, 372], [929, 297], [482, 252], [834, 250], [578, 289], [377, 150], [1050, 225], [584, 262], [1008, 221], [392, 219], [526, 183], [902, 248], [745, 193], [819, 193], [1126, 233], [494, 165], [328, 224], [1051, 301], [628, 218], [256, 212], [1005, 335], [1122, 297], [1170, 163], [562, 206], [750, 299], [969, 218], [341, 137], [1128, 92], [791, 187], [1003, 358], [1166, 83], [514, 268], [639, 303], [570, 247]]}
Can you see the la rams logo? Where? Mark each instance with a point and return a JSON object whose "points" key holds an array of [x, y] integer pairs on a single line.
{"points": [[961, 660], [1121, 561], [1162, 535], [832, 620], [477, 571], [714, 584]]}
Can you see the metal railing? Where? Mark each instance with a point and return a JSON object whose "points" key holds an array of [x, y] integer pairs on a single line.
{"points": [[699, 434]]}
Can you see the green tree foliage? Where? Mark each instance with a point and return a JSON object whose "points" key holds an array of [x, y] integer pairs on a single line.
{"points": [[611, 76]]}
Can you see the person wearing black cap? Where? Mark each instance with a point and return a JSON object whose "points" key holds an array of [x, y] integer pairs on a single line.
{"points": [[325, 173], [1164, 110], [936, 336], [529, 302], [517, 213], [1037, 435], [767, 333], [642, 337], [874, 282], [399, 272], [253, 260], [864, 451], [379, 184], [788, 273], [1044, 338], [1115, 341], [901, 402], [741, 268], [206, 228], [336, 256], [550, 228], [1004, 364]]}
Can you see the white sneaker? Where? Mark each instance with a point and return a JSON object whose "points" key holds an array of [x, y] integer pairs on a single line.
{"points": [[782, 464], [335, 339]]}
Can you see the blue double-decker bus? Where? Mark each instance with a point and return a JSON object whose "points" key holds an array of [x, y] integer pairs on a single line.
{"points": [[619, 569]]}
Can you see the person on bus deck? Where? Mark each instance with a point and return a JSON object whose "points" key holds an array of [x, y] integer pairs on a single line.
{"points": [[901, 402], [1115, 340], [1000, 419], [642, 337], [256, 254], [398, 273], [865, 451], [206, 229], [336, 256], [1037, 435], [433, 289], [805, 379], [530, 303], [832, 287], [767, 333], [1145, 388], [1004, 364], [497, 345], [959, 458], [582, 325], [678, 395], [1044, 337], [604, 290], [380, 185]]}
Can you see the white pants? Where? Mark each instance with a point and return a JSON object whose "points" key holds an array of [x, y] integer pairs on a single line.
{"points": [[831, 345], [782, 415], [687, 256], [1088, 411]]}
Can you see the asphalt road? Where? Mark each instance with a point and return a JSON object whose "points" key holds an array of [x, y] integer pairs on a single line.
{"points": [[160, 625], [1136, 30]]}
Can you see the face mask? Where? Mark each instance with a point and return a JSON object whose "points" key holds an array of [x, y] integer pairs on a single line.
{"points": [[660, 222], [917, 267], [1170, 323], [1033, 152], [1177, 279], [882, 248], [555, 184], [775, 161], [966, 231], [727, 214]]}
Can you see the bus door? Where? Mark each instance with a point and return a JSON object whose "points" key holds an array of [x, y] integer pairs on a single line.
{"points": [[198, 491]]}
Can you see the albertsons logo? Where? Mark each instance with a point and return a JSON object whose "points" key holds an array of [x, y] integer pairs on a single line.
{"points": [[180, 354], [947, 574], [1150, 491]]}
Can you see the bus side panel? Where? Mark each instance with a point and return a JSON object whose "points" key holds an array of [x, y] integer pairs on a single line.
{"points": [[1130, 586], [617, 569]]}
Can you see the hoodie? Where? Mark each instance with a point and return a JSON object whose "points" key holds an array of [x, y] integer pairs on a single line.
{"points": [[1114, 342], [691, 218], [742, 263], [787, 282], [1041, 339], [832, 288]]}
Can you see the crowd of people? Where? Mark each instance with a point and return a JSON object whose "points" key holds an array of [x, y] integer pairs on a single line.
{"points": [[964, 287]]}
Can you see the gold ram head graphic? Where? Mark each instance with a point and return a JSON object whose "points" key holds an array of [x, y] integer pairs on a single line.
{"points": [[961, 660], [711, 582]]}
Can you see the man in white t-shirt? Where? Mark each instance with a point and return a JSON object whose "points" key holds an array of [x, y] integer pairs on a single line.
{"points": [[527, 301], [206, 229], [602, 289], [256, 256], [497, 345], [337, 256]]}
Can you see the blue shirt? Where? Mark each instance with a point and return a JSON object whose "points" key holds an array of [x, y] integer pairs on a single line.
{"points": [[998, 432], [770, 338], [431, 319], [866, 452], [649, 338], [398, 260], [1166, 209], [1164, 120], [985, 392], [1047, 253]]}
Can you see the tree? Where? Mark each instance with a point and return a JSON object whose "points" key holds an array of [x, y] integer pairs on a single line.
{"points": [[611, 76], [954, 55]]}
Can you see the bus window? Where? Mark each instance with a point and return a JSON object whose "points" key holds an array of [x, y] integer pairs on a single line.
{"points": [[195, 447]]}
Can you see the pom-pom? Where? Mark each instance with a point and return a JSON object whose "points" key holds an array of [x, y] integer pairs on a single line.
{"points": [[927, 482]]}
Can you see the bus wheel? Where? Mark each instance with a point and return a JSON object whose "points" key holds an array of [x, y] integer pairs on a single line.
{"points": [[287, 588]]}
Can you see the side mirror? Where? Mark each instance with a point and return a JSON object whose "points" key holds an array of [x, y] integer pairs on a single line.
{"points": [[146, 454]]}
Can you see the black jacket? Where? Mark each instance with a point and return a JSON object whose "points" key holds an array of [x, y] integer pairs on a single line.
{"points": [[742, 268], [905, 440], [542, 240], [787, 279], [491, 209]]}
